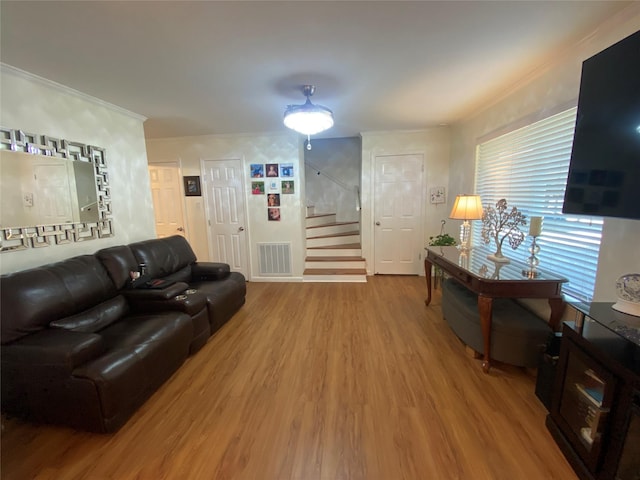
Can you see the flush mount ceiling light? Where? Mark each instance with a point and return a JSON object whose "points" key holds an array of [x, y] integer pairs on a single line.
{"points": [[308, 119]]}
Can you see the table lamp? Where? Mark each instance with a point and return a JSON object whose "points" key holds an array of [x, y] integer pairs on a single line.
{"points": [[466, 207]]}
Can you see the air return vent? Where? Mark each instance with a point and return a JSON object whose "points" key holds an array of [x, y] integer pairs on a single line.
{"points": [[274, 258]]}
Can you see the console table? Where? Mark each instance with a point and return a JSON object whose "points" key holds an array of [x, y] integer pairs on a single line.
{"points": [[489, 280]]}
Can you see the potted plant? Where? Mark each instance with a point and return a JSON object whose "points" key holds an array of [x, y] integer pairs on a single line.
{"points": [[441, 240]]}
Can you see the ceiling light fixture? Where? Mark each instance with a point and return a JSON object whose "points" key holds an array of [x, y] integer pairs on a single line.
{"points": [[308, 119]]}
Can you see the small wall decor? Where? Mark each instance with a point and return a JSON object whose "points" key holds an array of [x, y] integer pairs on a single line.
{"points": [[273, 200], [500, 223], [273, 186], [257, 170], [272, 170], [288, 186], [286, 170], [437, 195], [192, 186], [273, 214], [257, 188]]}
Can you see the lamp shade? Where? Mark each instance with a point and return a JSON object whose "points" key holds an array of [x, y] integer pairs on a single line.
{"points": [[308, 119], [467, 207]]}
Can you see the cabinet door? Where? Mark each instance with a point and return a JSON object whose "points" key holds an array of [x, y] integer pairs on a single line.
{"points": [[585, 399], [629, 463]]}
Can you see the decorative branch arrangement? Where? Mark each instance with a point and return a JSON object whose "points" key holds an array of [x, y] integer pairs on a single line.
{"points": [[502, 223]]}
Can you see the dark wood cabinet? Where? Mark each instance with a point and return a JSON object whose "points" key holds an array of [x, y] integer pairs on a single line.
{"points": [[595, 410]]}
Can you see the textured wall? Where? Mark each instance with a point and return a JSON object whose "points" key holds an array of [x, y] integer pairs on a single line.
{"points": [[261, 149], [547, 91], [36, 105], [337, 160]]}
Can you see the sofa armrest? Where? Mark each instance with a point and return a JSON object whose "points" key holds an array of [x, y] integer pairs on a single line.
{"points": [[139, 296], [201, 271], [53, 347]]}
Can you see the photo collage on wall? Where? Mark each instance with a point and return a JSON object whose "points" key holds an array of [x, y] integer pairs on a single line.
{"points": [[272, 179]]}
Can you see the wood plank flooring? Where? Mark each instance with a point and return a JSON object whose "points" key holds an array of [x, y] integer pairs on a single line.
{"points": [[317, 381]]}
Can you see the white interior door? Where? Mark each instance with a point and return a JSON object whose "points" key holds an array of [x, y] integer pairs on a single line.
{"points": [[54, 198], [167, 198], [398, 214], [224, 191]]}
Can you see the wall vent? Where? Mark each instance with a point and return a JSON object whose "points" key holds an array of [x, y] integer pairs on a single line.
{"points": [[274, 258]]}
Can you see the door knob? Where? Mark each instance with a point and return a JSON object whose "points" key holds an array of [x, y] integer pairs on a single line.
{"points": [[241, 229], [180, 229], [378, 223]]}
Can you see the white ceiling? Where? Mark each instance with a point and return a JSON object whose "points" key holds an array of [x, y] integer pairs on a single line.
{"points": [[196, 68]]}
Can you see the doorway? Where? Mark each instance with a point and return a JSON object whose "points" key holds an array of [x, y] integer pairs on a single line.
{"points": [[398, 194], [167, 198]]}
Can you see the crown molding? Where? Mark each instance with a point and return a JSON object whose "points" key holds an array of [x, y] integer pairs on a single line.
{"points": [[8, 69]]}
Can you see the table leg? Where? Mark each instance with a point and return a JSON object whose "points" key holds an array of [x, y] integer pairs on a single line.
{"points": [[557, 309], [485, 308], [427, 273]]}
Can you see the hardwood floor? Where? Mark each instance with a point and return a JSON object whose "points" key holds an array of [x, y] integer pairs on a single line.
{"points": [[315, 381]]}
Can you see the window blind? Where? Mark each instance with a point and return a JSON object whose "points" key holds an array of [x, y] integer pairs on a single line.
{"points": [[528, 167]]}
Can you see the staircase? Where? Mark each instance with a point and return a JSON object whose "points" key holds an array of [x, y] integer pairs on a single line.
{"points": [[334, 253]]}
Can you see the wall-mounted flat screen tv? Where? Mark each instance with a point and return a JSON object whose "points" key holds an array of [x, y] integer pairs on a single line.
{"points": [[604, 173]]}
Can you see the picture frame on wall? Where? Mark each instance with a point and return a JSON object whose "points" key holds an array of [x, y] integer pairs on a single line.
{"points": [[273, 214], [192, 186], [288, 187], [257, 170], [273, 200], [272, 170], [286, 170], [257, 188]]}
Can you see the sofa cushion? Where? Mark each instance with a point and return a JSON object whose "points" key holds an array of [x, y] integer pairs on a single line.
{"points": [[203, 271], [31, 299], [95, 318], [51, 348], [142, 352], [118, 261]]}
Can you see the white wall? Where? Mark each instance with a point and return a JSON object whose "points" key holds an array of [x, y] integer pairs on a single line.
{"points": [[331, 187], [433, 144], [38, 106], [547, 90], [190, 152]]}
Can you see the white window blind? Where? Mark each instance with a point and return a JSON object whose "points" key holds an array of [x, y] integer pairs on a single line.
{"points": [[528, 167]]}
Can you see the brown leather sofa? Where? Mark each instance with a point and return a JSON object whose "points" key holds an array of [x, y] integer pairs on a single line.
{"points": [[81, 347], [172, 259], [72, 351]]}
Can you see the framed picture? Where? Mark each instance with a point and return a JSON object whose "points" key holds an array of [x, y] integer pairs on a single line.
{"points": [[257, 170], [273, 200], [286, 170], [438, 195], [273, 214], [257, 188], [272, 170], [192, 186], [288, 186]]}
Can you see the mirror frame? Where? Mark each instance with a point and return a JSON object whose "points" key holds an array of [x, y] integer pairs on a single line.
{"points": [[22, 238]]}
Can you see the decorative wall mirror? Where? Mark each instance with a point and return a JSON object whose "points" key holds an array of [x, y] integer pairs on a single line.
{"points": [[52, 191]]}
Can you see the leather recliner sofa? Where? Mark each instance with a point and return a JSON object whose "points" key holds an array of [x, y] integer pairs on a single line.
{"points": [[72, 351], [172, 259], [81, 347]]}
